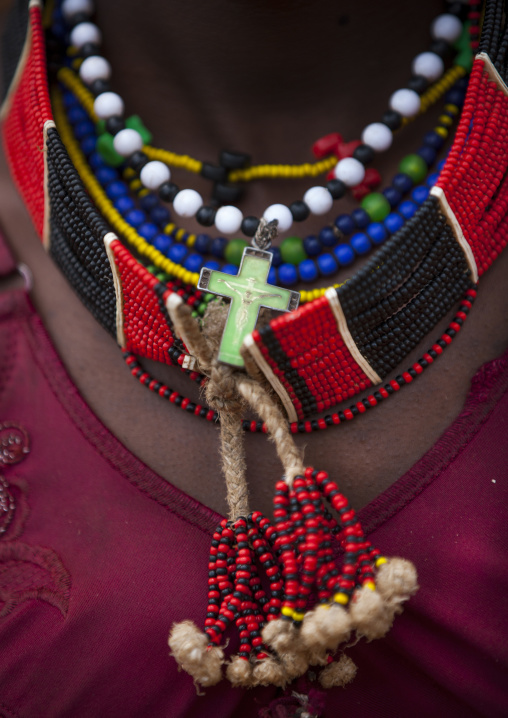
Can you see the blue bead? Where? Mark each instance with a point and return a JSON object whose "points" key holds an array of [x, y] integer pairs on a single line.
{"points": [[135, 217], [360, 243], [69, 99], [327, 237], [407, 208], [433, 139], [212, 264], [77, 114], [455, 96], [219, 244], [344, 254], [160, 215], [420, 194], [193, 263], [402, 182], [272, 276], [95, 161], [345, 224], [177, 253], [432, 179], [124, 204], [84, 129], [288, 274], [202, 243], [393, 196], [361, 218], [148, 230], [393, 222], [277, 256], [312, 245], [116, 189], [58, 29], [88, 145], [377, 232], [327, 264], [105, 175], [427, 154], [230, 269], [162, 242], [148, 202], [307, 270], [441, 164]]}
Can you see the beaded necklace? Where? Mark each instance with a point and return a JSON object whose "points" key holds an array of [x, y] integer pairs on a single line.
{"points": [[332, 348]]}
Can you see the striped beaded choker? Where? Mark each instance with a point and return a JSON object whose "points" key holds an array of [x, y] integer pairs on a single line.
{"points": [[279, 582]]}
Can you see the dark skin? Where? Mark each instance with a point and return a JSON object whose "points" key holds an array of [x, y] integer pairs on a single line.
{"points": [[267, 78]]}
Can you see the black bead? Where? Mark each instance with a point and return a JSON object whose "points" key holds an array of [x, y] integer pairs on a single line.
{"points": [[168, 191], [89, 49], [441, 48], [392, 119], [191, 407], [99, 86], [234, 160], [138, 160], [364, 154], [299, 210], [336, 188], [77, 18], [206, 216], [250, 226], [214, 172], [114, 124], [418, 83], [227, 193]]}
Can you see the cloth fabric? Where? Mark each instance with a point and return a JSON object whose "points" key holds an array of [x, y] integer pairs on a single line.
{"points": [[100, 556]]}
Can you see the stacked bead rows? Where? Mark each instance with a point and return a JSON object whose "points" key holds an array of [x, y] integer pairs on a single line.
{"points": [[474, 176], [381, 394], [95, 71], [297, 556], [352, 236]]}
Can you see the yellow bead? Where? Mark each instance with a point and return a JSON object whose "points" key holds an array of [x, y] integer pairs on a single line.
{"points": [[169, 228], [441, 131], [341, 598], [179, 234], [297, 616], [380, 561], [143, 193], [287, 611], [135, 185], [452, 109], [370, 584], [445, 120], [191, 240]]}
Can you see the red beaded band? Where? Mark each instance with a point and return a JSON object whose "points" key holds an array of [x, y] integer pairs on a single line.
{"points": [[25, 111]]}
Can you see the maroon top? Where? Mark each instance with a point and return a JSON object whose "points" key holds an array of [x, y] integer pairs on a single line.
{"points": [[101, 556]]}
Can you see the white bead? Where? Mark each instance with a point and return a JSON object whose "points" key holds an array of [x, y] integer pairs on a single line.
{"points": [[446, 27], [428, 65], [127, 141], [318, 200], [154, 174], [73, 7], [85, 32], [187, 202], [405, 102], [280, 212], [378, 136], [349, 171], [94, 68], [108, 104], [228, 219]]}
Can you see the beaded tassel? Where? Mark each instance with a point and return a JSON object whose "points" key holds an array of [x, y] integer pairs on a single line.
{"points": [[280, 633]]}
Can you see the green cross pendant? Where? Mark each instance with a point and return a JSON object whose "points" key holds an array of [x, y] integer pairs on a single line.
{"points": [[248, 292]]}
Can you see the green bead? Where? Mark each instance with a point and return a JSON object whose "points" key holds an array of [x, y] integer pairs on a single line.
{"points": [[106, 150], [292, 250], [201, 309], [414, 166], [377, 206], [234, 251], [134, 122], [100, 127], [152, 269]]}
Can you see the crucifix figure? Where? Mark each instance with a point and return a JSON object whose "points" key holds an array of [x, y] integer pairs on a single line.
{"points": [[248, 292]]}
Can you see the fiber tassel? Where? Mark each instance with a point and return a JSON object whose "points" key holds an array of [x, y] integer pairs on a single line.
{"points": [[338, 673], [193, 652]]}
